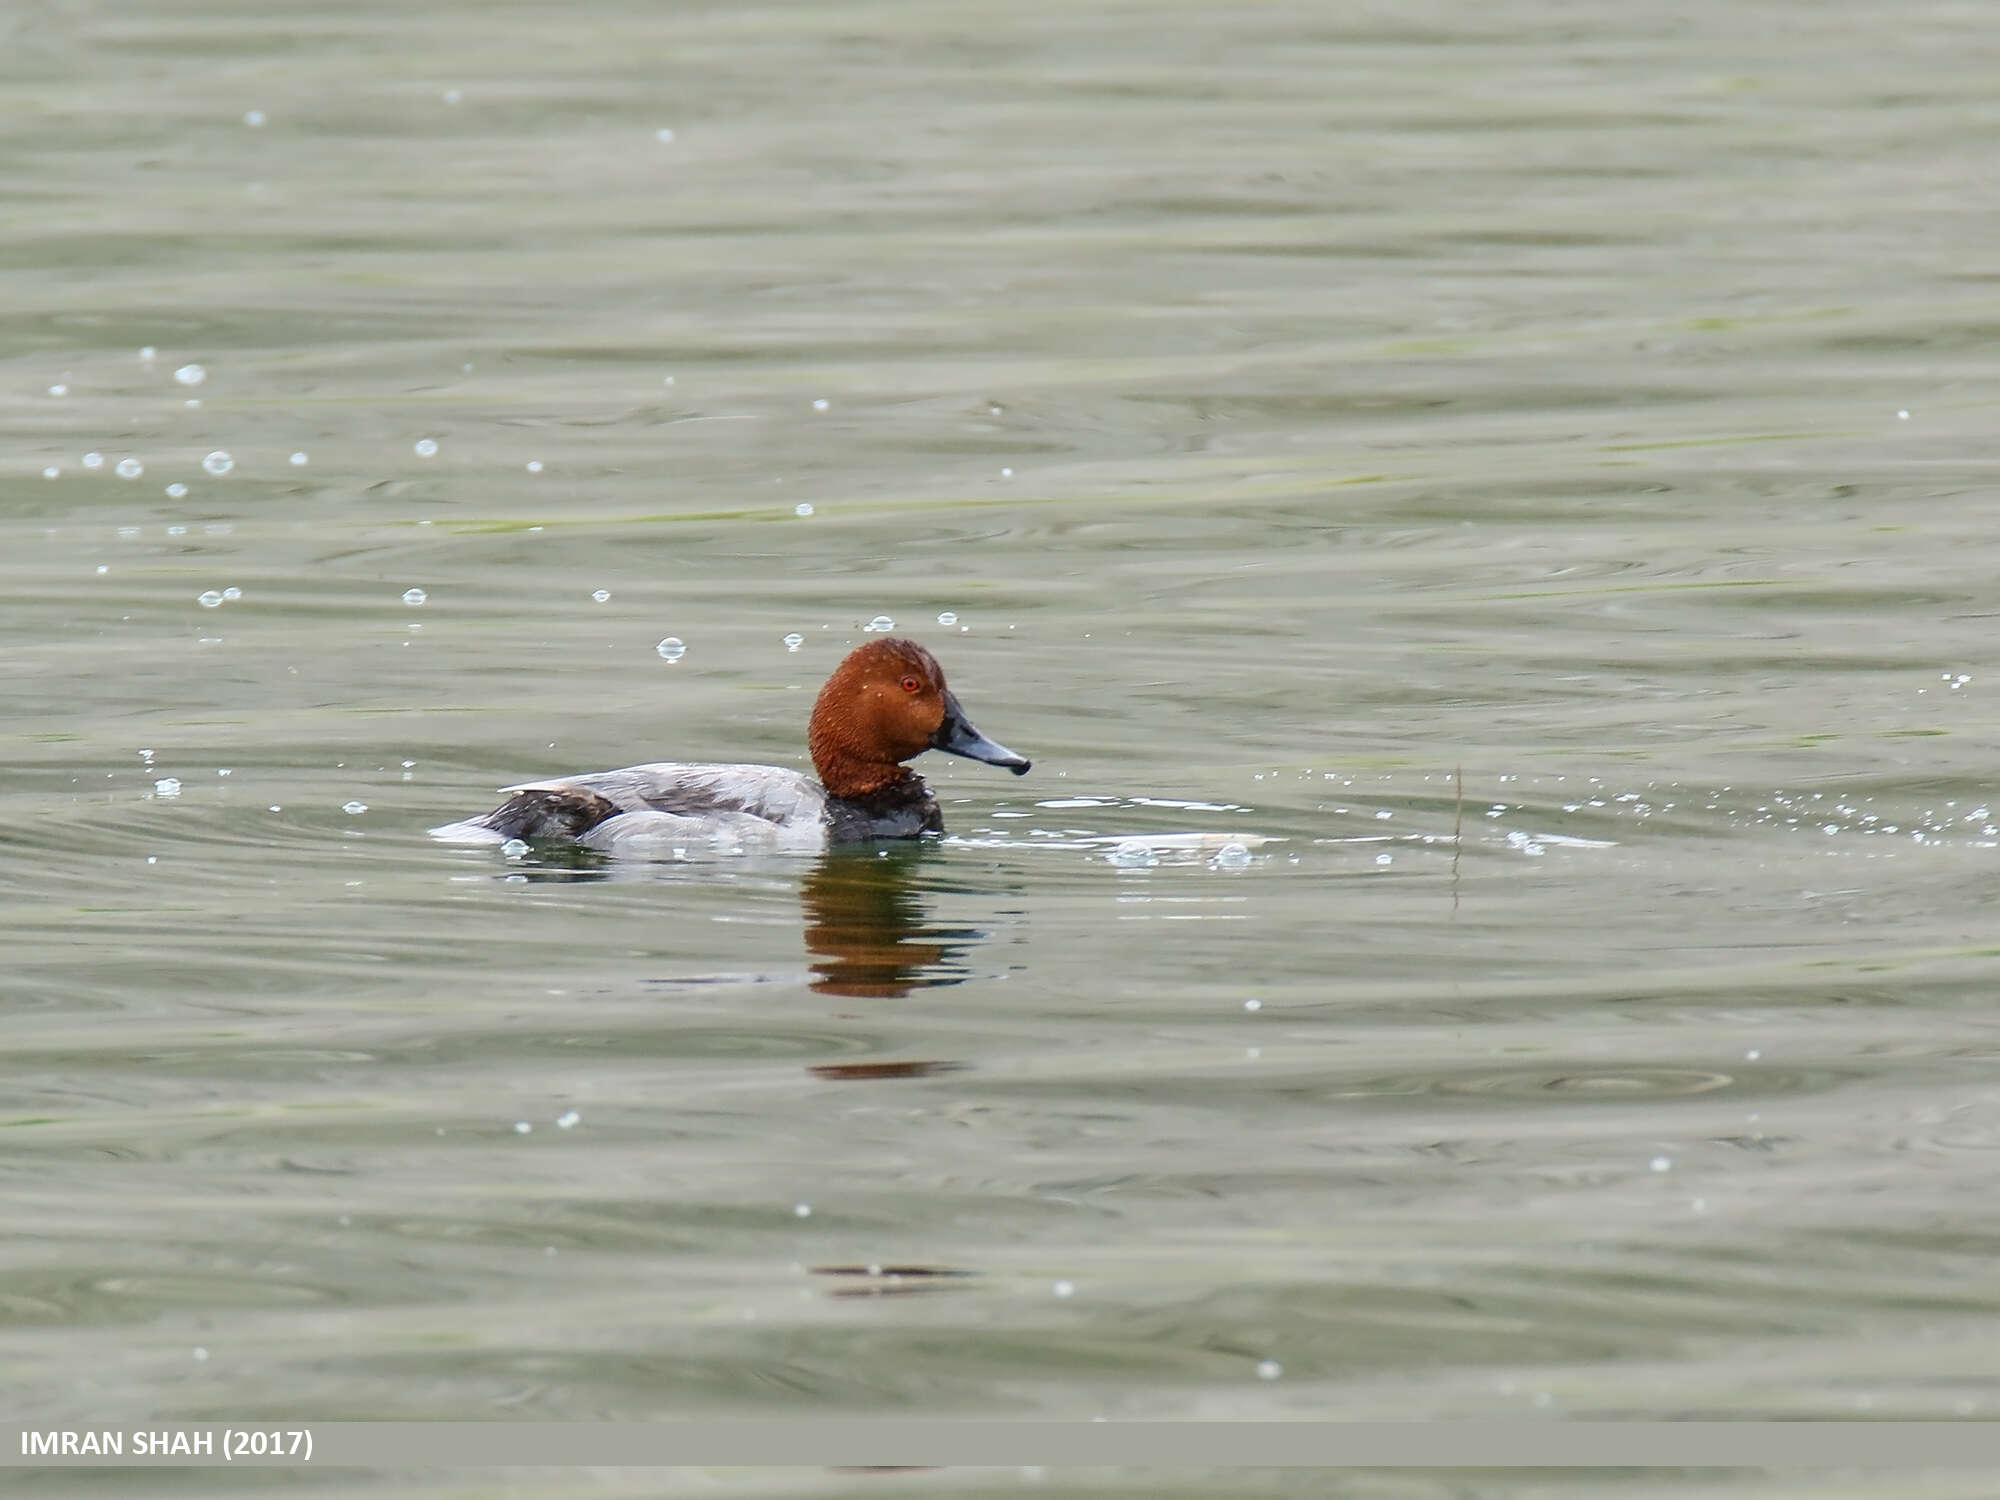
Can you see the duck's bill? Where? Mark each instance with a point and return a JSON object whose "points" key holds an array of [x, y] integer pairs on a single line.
{"points": [[956, 736]]}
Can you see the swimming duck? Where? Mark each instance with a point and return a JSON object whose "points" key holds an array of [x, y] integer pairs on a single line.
{"points": [[884, 704]]}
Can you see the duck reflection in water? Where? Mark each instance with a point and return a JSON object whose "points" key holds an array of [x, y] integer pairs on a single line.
{"points": [[867, 927]]}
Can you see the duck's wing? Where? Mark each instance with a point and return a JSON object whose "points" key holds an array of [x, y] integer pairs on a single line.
{"points": [[696, 790], [680, 797]]}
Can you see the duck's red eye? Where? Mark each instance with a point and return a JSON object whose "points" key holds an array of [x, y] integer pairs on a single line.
{"points": [[910, 684]]}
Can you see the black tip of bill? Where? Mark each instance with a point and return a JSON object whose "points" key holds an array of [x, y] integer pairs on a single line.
{"points": [[957, 736]]}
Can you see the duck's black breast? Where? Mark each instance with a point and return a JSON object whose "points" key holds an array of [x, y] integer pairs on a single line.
{"points": [[902, 810]]}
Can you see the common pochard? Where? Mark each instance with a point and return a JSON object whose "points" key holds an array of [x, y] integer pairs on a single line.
{"points": [[884, 704]]}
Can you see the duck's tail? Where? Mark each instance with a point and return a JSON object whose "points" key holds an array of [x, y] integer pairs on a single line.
{"points": [[564, 812]]}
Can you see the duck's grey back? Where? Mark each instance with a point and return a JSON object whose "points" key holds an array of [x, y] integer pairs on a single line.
{"points": [[695, 789], [665, 799]]}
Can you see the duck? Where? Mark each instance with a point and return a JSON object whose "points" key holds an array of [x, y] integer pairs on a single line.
{"points": [[886, 703]]}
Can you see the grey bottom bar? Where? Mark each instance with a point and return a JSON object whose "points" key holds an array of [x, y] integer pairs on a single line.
{"points": [[864, 1441]]}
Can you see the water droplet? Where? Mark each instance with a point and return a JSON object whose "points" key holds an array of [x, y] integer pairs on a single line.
{"points": [[52, 472], [1231, 857], [232, 592], [177, 531], [254, 118], [93, 460], [1064, 1288], [664, 137], [803, 508], [218, 463], [58, 390], [1661, 1164], [177, 491], [522, 1127], [516, 848], [426, 447], [673, 648], [1385, 859], [149, 352], [104, 567], [1269, 1369], [168, 786], [200, 1353], [1253, 1004], [794, 641], [534, 466], [602, 596], [802, 1210], [880, 624], [209, 600], [190, 374], [1006, 473], [567, 1120], [130, 468], [947, 618], [821, 404], [192, 401], [354, 809], [1132, 854], [299, 460], [1902, 416]]}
